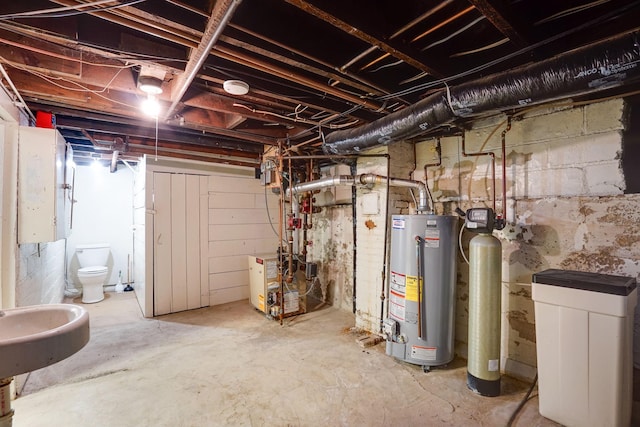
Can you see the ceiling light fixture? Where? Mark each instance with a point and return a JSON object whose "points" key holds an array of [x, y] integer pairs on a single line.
{"points": [[150, 85], [235, 87]]}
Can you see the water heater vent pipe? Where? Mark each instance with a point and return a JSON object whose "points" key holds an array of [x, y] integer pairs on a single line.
{"points": [[365, 179]]}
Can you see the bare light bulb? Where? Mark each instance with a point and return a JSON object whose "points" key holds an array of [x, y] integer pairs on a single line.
{"points": [[151, 106]]}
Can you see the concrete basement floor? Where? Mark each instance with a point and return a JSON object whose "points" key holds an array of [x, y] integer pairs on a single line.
{"points": [[229, 366]]}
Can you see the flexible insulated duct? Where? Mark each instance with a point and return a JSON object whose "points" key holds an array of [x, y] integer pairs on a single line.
{"points": [[364, 179], [593, 68]]}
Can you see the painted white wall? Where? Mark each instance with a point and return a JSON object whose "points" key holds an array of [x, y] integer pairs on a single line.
{"points": [[142, 239], [9, 118], [238, 226], [8, 213], [103, 213]]}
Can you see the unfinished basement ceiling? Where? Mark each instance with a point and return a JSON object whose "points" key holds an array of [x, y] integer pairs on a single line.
{"points": [[312, 67]]}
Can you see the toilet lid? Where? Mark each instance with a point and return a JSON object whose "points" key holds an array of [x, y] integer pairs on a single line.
{"points": [[97, 269]]}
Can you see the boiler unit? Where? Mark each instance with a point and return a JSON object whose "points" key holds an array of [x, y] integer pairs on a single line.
{"points": [[422, 284], [264, 288]]}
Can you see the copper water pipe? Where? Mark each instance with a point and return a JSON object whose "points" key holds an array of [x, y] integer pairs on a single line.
{"points": [[290, 229], [443, 23], [432, 29], [493, 166], [361, 35], [420, 18], [281, 225], [311, 200], [341, 70], [345, 77], [305, 225]]}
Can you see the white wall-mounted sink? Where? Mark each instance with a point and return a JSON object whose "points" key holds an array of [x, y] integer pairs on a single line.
{"points": [[37, 336]]}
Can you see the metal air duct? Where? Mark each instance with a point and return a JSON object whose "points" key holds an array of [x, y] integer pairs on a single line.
{"points": [[612, 63], [365, 179]]}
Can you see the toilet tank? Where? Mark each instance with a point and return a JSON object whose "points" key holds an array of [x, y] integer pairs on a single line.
{"points": [[92, 255]]}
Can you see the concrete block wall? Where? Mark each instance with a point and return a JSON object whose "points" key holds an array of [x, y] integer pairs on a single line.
{"points": [[566, 206], [371, 225], [332, 248]]}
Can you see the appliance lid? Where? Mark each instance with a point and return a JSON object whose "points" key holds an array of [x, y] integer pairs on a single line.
{"points": [[596, 282]]}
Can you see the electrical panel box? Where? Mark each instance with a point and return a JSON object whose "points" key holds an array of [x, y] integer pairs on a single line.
{"points": [[44, 198]]}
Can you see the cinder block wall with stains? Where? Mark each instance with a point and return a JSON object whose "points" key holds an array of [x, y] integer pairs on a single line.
{"points": [[571, 203]]}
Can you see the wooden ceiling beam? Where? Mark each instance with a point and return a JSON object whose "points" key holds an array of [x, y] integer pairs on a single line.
{"points": [[499, 19], [210, 101], [286, 74], [397, 51], [109, 130]]}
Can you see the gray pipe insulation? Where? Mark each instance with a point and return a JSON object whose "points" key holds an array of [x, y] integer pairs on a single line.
{"points": [[612, 63], [364, 179]]}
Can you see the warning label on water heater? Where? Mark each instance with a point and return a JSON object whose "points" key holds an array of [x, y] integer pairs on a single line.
{"points": [[424, 353], [397, 300], [431, 238], [397, 305], [412, 288]]}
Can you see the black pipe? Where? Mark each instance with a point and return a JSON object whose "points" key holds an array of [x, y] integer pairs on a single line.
{"points": [[611, 63], [353, 169], [383, 290]]}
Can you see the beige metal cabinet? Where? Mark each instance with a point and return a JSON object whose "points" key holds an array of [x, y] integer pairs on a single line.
{"points": [[43, 196], [263, 272], [264, 287]]}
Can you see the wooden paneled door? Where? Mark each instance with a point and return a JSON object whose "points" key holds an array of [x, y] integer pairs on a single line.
{"points": [[180, 230]]}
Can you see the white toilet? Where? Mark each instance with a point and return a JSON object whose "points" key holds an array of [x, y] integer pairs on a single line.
{"points": [[93, 270]]}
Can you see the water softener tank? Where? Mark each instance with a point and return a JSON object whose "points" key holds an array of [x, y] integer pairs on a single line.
{"points": [[485, 278], [422, 283]]}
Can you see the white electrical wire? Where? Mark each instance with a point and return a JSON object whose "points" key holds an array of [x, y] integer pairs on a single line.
{"points": [[73, 10], [460, 243], [313, 284], [452, 35]]}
